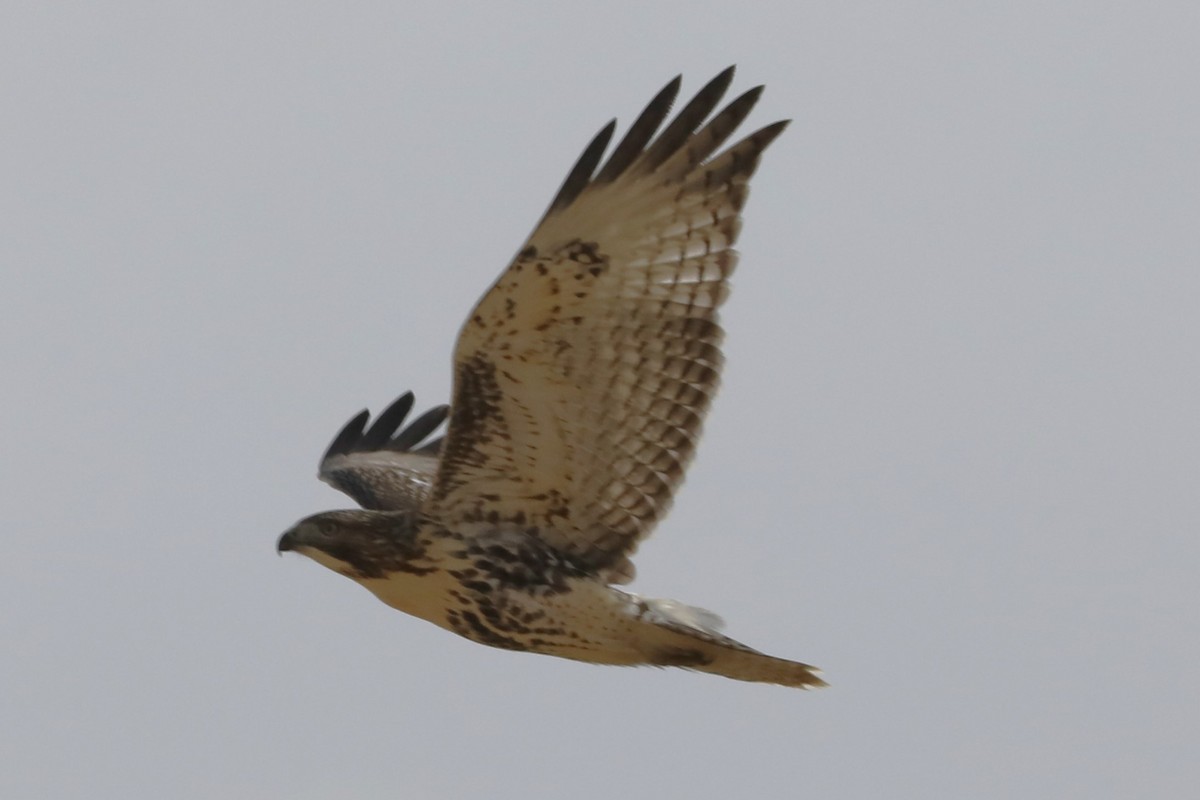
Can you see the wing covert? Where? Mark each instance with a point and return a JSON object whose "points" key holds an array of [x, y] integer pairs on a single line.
{"points": [[387, 466], [583, 376]]}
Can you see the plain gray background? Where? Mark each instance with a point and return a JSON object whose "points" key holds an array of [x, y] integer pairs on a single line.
{"points": [[954, 462]]}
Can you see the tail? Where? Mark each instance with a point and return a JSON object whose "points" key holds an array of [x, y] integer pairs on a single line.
{"points": [[735, 660], [687, 637]]}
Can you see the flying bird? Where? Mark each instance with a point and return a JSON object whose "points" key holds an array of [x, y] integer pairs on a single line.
{"points": [[581, 381]]}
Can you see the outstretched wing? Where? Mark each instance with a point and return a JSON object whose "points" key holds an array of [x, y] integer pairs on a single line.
{"points": [[385, 467], [583, 376]]}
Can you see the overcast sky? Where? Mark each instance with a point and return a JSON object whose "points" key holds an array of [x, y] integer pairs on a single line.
{"points": [[954, 462]]}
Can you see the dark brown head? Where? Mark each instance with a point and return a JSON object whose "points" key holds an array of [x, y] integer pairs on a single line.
{"points": [[357, 544]]}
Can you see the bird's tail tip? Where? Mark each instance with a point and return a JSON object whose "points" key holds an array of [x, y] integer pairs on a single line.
{"points": [[688, 637], [758, 667]]}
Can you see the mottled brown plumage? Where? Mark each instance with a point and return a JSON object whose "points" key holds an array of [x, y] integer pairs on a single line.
{"points": [[581, 382]]}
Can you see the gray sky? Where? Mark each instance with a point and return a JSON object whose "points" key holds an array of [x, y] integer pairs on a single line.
{"points": [[954, 462]]}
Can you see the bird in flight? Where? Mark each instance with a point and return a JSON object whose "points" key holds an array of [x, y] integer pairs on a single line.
{"points": [[581, 381]]}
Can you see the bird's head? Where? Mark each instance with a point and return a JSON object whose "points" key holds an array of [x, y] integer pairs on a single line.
{"points": [[357, 544]]}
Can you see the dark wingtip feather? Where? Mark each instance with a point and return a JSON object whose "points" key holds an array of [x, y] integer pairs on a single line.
{"points": [[685, 142], [348, 436], [686, 121], [764, 136], [386, 423], [386, 432], [748, 97], [581, 174], [419, 428], [640, 132]]}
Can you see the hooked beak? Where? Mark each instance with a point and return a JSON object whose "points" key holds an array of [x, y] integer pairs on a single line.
{"points": [[286, 542]]}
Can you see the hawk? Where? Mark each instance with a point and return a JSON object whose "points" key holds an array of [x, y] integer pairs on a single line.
{"points": [[581, 380]]}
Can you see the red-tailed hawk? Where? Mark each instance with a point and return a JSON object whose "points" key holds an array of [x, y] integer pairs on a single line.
{"points": [[581, 381]]}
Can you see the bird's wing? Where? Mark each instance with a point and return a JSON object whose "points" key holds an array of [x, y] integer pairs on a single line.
{"points": [[385, 467], [582, 377]]}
